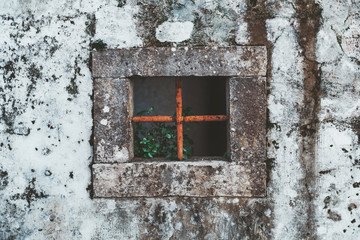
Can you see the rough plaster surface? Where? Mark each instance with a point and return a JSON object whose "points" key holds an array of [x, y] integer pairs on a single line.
{"points": [[313, 120]]}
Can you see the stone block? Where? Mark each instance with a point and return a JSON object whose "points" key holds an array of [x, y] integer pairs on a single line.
{"points": [[164, 179], [247, 119], [182, 61], [113, 106]]}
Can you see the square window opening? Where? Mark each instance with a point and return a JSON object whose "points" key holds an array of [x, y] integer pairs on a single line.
{"points": [[201, 96]]}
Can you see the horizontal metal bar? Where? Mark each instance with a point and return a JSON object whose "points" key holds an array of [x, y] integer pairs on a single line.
{"points": [[205, 118], [154, 119]]}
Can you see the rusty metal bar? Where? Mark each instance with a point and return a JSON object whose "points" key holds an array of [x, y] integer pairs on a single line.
{"points": [[206, 118], [154, 119], [179, 119]]}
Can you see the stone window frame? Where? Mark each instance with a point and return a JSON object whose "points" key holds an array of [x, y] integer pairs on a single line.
{"points": [[115, 172]]}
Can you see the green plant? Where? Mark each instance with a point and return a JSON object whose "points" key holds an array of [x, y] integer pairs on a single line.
{"points": [[159, 139], [99, 45]]}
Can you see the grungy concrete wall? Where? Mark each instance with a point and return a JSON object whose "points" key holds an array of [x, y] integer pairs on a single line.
{"points": [[313, 81]]}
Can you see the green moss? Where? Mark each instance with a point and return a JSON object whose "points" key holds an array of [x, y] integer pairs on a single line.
{"points": [[99, 45]]}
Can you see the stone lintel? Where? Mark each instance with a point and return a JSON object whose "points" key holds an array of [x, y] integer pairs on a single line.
{"points": [[191, 179], [181, 61]]}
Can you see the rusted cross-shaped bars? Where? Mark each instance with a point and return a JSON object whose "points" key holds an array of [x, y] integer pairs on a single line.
{"points": [[180, 119]]}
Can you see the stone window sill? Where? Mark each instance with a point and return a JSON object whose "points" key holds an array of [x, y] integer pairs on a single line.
{"points": [[175, 178]]}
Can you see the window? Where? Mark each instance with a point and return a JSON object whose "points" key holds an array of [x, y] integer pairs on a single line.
{"points": [[180, 119], [115, 174], [201, 96]]}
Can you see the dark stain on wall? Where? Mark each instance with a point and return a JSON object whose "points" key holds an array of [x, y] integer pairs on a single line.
{"points": [[205, 218], [352, 206], [4, 179], [150, 16], [308, 13], [9, 74], [11, 106], [30, 193], [34, 74], [256, 17], [121, 3], [326, 171], [90, 187], [72, 88], [334, 216], [159, 217], [355, 123], [90, 24]]}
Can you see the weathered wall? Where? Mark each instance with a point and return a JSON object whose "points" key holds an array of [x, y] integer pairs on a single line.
{"points": [[313, 118]]}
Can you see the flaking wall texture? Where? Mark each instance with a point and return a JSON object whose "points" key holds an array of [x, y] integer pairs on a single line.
{"points": [[313, 126]]}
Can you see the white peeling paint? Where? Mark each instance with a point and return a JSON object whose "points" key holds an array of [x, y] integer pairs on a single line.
{"points": [[174, 31], [106, 109], [328, 49], [121, 155], [267, 212], [116, 26], [242, 36], [104, 122]]}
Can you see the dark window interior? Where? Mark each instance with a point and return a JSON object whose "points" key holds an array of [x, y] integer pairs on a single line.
{"points": [[205, 96]]}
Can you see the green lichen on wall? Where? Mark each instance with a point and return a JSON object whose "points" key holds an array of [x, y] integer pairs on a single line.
{"points": [[99, 45]]}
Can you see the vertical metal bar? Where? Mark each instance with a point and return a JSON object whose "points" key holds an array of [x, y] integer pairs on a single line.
{"points": [[179, 119]]}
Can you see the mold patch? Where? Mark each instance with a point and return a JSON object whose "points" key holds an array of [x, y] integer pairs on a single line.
{"points": [[30, 193], [4, 179], [72, 88]]}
